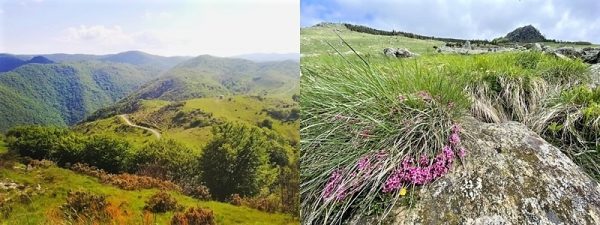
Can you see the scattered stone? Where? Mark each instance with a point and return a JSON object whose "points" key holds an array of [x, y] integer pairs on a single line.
{"points": [[534, 47], [467, 45], [568, 52], [591, 55], [398, 53]]}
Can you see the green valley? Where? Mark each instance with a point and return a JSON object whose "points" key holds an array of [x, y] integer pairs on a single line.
{"points": [[212, 137]]}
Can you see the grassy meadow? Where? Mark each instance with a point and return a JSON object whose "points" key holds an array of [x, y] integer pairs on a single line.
{"points": [[54, 183], [375, 128]]}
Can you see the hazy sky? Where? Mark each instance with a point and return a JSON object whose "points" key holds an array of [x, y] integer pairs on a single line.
{"points": [[474, 19], [175, 27]]}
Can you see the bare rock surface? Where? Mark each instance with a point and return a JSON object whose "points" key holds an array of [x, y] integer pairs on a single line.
{"points": [[510, 176]]}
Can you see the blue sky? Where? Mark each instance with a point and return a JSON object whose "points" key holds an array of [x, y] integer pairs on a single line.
{"points": [[176, 27], [473, 19]]}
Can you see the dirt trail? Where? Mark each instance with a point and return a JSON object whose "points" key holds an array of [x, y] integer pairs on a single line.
{"points": [[129, 123]]}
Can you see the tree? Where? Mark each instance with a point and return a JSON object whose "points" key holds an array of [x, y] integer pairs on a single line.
{"points": [[34, 141], [164, 159], [107, 153], [231, 161]]}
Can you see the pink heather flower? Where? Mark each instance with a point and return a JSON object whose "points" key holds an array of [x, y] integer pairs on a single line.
{"points": [[462, 152], [332, 184], [364, 163], [454, 138]]}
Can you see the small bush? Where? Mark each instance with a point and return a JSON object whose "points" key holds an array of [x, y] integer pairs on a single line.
{"points": [[200, 192], [125, 181], [194, 216], [235, 199], [84, 207], [161, 202]]}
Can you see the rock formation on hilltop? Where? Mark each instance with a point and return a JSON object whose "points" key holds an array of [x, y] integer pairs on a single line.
{"points": [[512, 176], [525, 34]]}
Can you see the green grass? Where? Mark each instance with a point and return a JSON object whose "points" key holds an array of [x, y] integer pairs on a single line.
{"points": [[244, 109], [352, 110], [3, 147], [313, 42], [344, 97], [56, 182]]}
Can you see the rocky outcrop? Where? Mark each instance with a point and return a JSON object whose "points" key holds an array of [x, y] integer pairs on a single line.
{"points": [[590, 55], [398, 53], [525, 34], [511, 176]]}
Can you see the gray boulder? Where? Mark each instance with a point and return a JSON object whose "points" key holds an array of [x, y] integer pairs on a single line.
{"points": [[534, 47], [398, 53], [591, 55], [510, 176], [569, 52]]}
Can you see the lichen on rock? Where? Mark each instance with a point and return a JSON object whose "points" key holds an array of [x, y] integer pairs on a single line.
{"points": [[511, 176]]}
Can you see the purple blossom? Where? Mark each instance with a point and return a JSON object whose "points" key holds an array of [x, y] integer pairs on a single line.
{"points": [[454, 139], [332, 184], [364, 163]]}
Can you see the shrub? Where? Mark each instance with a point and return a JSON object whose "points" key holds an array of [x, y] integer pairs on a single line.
{"points": [[199, 192], [194, 216], [34, 141], [107, 153], [235, 199], [230, 162], [161, 202], [84, 207], [125, 181], [270, 204], [164, 159]]}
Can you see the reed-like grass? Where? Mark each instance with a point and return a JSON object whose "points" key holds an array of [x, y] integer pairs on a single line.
{"points": [[381, 112], [376, 111], [571, 120]]}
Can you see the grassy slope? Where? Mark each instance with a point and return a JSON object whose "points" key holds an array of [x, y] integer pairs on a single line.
{"points": [[314, 41], [56, 182], [240, 108]]}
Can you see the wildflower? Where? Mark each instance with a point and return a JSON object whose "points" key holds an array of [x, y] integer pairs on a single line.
{"points": [[403, 191], [332, 184], [454, 138], [364, 163]]}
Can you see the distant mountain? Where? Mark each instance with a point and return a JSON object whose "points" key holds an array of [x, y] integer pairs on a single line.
{"points": [[40, 59], [525, 34], [144, 59], [209, 76], [267, 57], [62, 93], [9, 62]]}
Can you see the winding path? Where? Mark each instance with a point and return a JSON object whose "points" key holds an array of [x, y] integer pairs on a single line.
{"points": [[129, 123]]}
